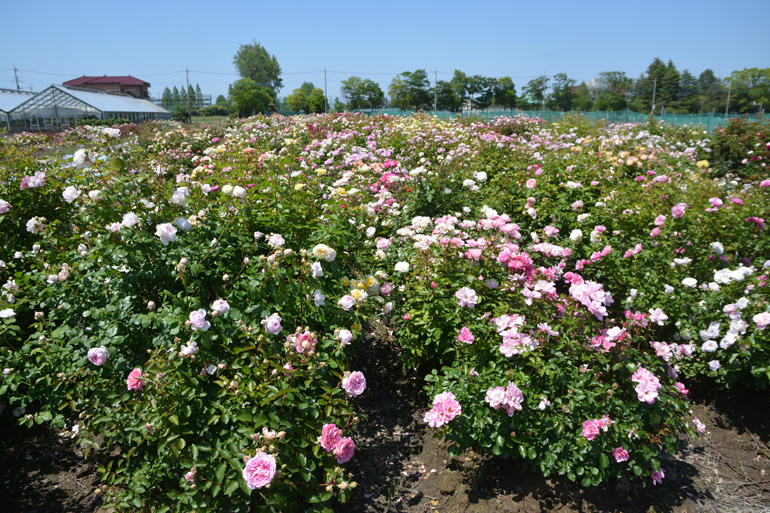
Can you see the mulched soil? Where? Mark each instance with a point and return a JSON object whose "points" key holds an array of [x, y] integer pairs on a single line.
{"points": [[400, 467]]}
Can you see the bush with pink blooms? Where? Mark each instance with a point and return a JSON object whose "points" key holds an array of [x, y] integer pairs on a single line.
{"points": [[191, 296]]}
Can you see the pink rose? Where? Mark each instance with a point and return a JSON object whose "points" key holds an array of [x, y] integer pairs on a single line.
{"points": [[98, 355], [466, 336], [198, 320], [344, 450], [657, 477], [620, 454], [678, 210], [259, 470], [531, 183], [354, 384], [134, 380], [273, 324], [590, 429], [330, 437]]}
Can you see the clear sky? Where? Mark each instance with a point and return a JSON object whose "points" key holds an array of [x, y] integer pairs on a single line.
{"points": [[53, 41]]}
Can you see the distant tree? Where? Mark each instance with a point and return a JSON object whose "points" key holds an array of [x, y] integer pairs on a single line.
{"points": [[362, 93], [316, 101], [750, 89], [615, 81], [183, 97], [688, 93], [255, 63], [712, 93], [581, 98], [338, 105], [446, 97], [167, 99], [535, 91], [198, 96], [561, 93], [609, 100], [411, 90], [193, 98], [250, 98], [222, 100], [297, 101], [476, 92], [649, 83], [176, 98], [505, 93]]}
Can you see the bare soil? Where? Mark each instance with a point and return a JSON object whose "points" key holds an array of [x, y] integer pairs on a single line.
{"points": [[400, 467]]}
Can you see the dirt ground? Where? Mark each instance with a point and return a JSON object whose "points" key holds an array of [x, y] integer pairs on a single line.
{"points": [[400, 467]]}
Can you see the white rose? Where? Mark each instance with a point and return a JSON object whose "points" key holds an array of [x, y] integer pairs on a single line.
{"points": [[70, 194]]}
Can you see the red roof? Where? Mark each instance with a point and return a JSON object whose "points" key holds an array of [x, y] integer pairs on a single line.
{"points": [[126, 80]]}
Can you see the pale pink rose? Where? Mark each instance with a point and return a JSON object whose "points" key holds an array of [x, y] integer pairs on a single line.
{"points": [[4, 206], [220, 306], [354, 384], [273, 324], [344, 450], [330, 437], [345, 336], [198, 320], [346, 302], [762, 320], [70, 194], [660, 220], [531, 183], [134, 380], [678, 210], [190, 476], [466, 297], [620, 454], [259, 470], [166, 232], [98, 355], [130, 220]]}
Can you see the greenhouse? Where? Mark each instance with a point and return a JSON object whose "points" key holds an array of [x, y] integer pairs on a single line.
{"points": [[9, 100], [59, 107]]}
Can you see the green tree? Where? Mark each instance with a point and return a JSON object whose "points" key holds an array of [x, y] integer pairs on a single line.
{"points": [[750, 90], [255, 63], [688, 93], [193, 98], [648, 85], [712, 93], [362, 93], [250, 98], [561, 93], [475, 92], [338, 105], [411, 90], [222, 100], [167, 99], [316, 101], [505, 93], [446, 97], [534, 92], [297, 101], [198, 96], [176, 98], [581, 98]]}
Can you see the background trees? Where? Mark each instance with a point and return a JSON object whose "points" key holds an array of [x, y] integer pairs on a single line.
{"points": [[307, 98], [411, 90], [255, 63], [360, 93]]}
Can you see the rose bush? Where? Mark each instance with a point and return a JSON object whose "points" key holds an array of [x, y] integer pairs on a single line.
{"points": [[190, 297]]}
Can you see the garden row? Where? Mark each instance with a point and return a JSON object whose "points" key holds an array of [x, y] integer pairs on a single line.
{"points": [[190, 299]]}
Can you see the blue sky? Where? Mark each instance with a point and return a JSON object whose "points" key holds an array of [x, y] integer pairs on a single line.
{"points": [[53, 41]]}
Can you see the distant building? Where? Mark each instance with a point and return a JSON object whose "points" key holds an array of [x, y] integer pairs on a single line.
{"points": [[60, 107], [126, 85]]}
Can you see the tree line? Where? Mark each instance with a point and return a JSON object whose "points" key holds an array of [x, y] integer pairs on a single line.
{"points": [[662, 88]]}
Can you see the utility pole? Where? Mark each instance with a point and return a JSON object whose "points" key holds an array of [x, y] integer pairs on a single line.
{"points": [[435, 91], [326, 106], [189, 114], [729, 90], [654, 90], [17, 78]]}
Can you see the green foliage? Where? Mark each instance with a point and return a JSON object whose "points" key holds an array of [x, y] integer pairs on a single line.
{"points": [[248, 98], [361, 94], [741, 149]]}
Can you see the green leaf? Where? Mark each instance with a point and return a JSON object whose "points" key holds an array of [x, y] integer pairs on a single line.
{"points": [[604, 461], [231, 487], [219, 473]]}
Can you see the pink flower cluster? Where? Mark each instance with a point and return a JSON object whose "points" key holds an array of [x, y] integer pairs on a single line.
{"points": [[678, 210], [760, 222], [592, 428], [38, 180], [259, 471], [445, 409], [620, 454], [332, 442], [608, 338], [648, 385], [509, 398], [516, 262], [303, 342], [591, 295]]}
